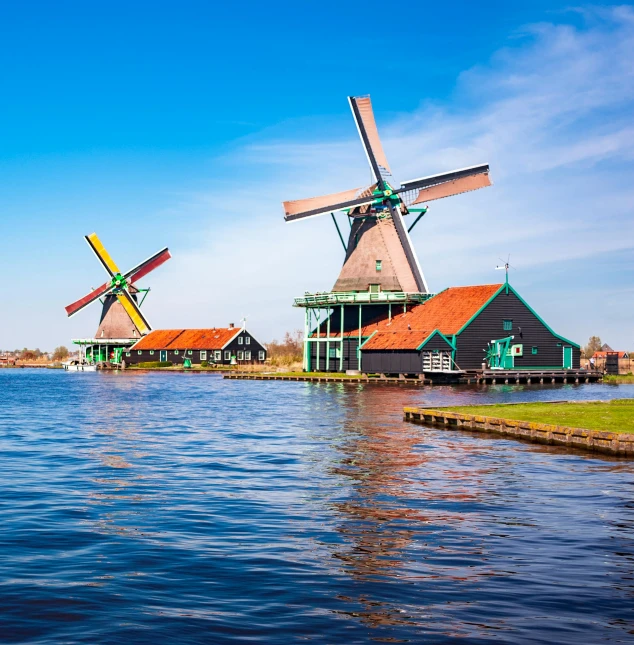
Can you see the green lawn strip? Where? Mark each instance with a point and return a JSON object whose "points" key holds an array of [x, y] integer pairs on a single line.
{"points": [[621, 378], [311, 374], [614, 416]]}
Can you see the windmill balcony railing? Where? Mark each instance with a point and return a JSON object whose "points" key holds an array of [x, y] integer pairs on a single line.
{"points": [[359, 297]]}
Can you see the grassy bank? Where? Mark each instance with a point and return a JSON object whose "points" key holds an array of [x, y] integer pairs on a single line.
{"points": [[621, 378], [610, 416], [322, 374]]}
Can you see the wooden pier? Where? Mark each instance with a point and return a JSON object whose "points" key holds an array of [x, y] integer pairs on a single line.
{"points": [[530, 377], [330, 379], [613, 443]]}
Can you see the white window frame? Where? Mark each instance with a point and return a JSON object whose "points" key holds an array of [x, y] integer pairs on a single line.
{"points": [[262, 355], [139, 352], [247, 340], [151, 352], [203, 354], [240, 340], [128, 353], [218, 355], [175, 352], [247, 355], [227, 355], [240, 355]]}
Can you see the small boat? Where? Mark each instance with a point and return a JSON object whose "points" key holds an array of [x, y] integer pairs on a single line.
{"points": [[79, 366]]}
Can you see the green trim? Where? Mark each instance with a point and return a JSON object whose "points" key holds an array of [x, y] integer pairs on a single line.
{"points": [[434, 333], [506, 287], [367, 339]]}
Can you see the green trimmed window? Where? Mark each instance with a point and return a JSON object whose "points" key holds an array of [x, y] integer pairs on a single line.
{"points": [[139, 352], [507, 325], [151, 352], [333, 352], [127, 353], [534, 350], [375, 288], [176, 352], [378, 265], [190, 352]]}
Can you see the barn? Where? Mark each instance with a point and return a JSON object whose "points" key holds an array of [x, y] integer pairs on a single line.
{"points": [[462, 328], [218, 345]]}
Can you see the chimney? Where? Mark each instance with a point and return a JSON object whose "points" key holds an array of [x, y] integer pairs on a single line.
{"points": [[231, 325]]}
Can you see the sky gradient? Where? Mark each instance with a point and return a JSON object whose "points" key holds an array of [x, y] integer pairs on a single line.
{"points": [[186, 125]]}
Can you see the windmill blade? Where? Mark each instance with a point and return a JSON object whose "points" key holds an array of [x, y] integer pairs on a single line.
{"points": [[406, 242], [132, 309], [141, 270], [78, 305], [102, 255], [301, 208], [426, 189], [361, 107]]}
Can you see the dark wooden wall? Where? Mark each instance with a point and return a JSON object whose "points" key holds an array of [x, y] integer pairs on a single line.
{"points": [[489, 325], [254, 347], [394, 361], [350, 361]]}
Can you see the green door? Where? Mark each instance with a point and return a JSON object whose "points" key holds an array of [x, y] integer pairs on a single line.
{"points": [[567, 358], [163, 355]]}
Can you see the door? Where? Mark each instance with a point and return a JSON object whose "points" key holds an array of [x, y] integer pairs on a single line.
{"points": [[567, 358], [163, 356]]}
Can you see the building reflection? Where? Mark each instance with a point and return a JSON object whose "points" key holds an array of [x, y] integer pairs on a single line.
{"points": [[409, 500]]}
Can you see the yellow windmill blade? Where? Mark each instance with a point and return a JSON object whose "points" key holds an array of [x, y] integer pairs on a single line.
{"points": [[100, 251], [132, 309]]}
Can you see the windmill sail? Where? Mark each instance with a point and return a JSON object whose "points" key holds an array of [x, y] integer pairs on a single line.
{"points": [[379, 253]]}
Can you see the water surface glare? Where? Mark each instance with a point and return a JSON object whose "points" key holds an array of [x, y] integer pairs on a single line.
{"points": [[181, 508]]}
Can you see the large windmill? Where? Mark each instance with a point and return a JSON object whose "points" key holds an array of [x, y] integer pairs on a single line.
{"points": [[122, 323], [380, 265]]}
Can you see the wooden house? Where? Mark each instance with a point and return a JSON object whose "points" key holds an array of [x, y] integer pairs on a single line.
{"points": [[461, 328], [219, 345]]}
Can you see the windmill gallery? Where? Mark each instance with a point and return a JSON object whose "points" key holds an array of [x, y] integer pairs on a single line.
{"points": [[379, 317]]}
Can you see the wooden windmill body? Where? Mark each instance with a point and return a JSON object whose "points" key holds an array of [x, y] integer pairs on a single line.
{"points": [[380, 268]]}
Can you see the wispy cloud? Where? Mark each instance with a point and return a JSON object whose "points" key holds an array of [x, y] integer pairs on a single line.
{"points": [[551, 113]]}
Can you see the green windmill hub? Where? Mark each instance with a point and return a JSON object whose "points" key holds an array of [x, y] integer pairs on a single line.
{"points": [[118, 282]]}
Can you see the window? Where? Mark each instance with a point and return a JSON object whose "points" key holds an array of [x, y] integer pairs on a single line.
{"points": [[190, 352], [127, 353], [261, 355], [558, 344], [240, 355], [227, 355], [534, 350], [334, 352], [217, 355], [378, 265], [203, 354], [151, 352], [375, 288], [139, 352], [507, 325], [176, 352], [247, 356], [240, 340], [247, 340]]}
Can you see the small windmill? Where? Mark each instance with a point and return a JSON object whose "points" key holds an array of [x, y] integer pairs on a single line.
{"points": [[121, 316], [379, 252], [505, 267]]}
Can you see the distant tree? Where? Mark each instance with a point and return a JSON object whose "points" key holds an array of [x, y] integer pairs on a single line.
{"points": [[60, 353], [594, 345], [288, 351]]}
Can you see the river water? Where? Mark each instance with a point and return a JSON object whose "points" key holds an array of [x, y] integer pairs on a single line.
{"points": [[182, 508]]}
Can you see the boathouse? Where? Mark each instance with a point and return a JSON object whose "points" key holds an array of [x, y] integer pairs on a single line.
{"points": [[219, 345]]}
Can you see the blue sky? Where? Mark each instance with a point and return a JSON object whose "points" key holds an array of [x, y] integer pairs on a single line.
{"points": [[186, 124]]}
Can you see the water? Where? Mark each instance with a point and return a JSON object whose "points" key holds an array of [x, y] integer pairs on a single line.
{"points": [[181, 508]]}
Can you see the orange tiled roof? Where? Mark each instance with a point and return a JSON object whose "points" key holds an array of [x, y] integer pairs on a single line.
{"points": [[215, 338], [447, 312], [604, 354]]}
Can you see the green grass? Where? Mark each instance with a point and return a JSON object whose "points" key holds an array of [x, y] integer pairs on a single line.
{"points": [[318, 374], [612, 416], [621, 378]]}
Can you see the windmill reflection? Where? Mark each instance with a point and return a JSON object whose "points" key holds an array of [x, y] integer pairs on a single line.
{"points": [[397, 523]]}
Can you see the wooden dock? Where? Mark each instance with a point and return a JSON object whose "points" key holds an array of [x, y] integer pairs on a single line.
{"points": [[613, 443], [330, 379], [530, 377]]}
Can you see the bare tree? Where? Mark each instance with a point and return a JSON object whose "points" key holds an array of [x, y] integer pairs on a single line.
{"points": [[594, 345]]}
